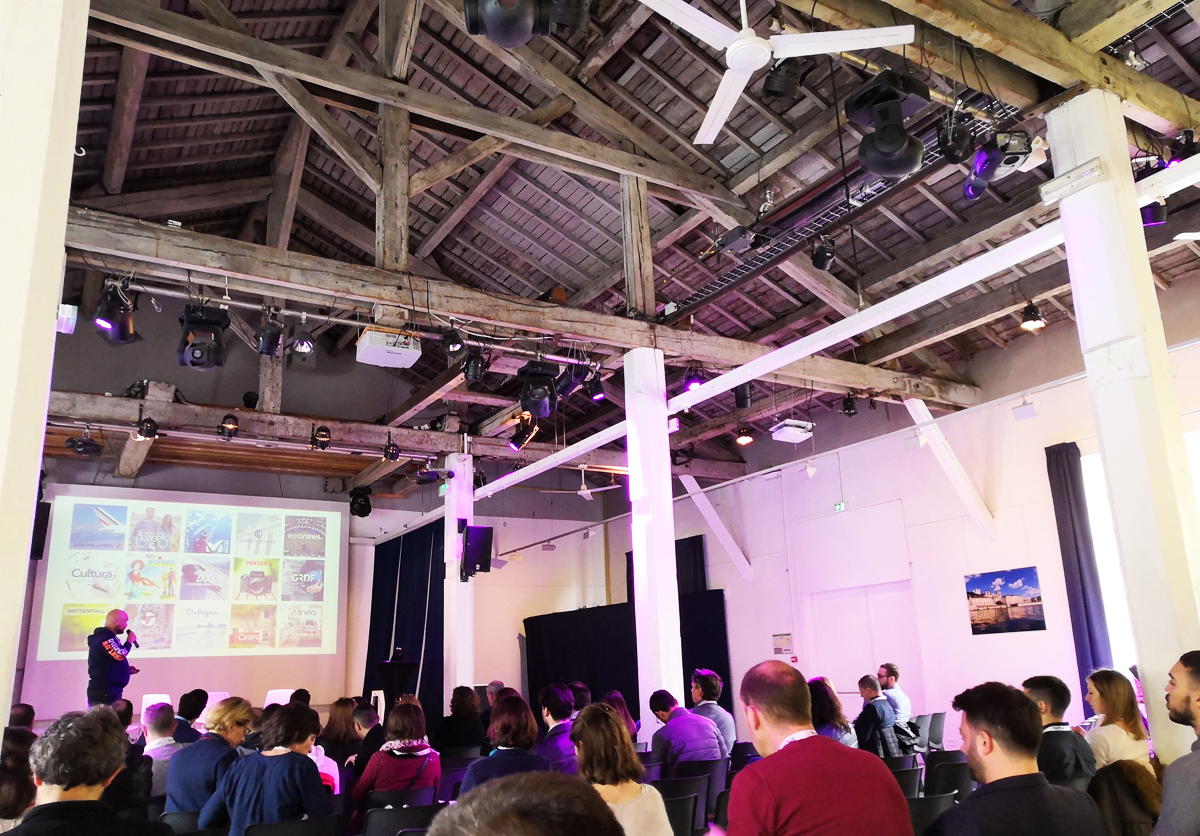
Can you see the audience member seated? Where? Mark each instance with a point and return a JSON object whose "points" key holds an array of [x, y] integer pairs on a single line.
{"points": [[706, 690], [301, 695], [16, 780], [131, 787], [405, 761], [581, 697], [1063, 755], [1120, 735], [371, 735], [1001, 732], [197, 769], [252, 742], [529, 804], [557, 703], [806, 783], [124, 710], [617, 701], [338, 738], [191, 706], [513, 733], [21, 716], [462, 728], [281, 783], [608, 762], [684, 736], [159, 720], [875, 725], [889, 681], [485, 717], [1181, 783], [72, 762], [827, 716]]}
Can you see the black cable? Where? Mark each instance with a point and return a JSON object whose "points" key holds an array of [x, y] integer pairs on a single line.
{"points": [[846, 186]]}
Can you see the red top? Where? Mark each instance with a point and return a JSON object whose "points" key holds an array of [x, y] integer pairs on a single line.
{"points": [[389, 771], [817, 787]]}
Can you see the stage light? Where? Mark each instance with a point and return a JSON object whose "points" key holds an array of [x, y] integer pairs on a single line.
{"points": [[524, 434], [1000, 156], [84, 445], [954, 139], [595, 387], [1154, 213], [360, 502], [147, 428], [1031, 318], [890, 150], [473, 367], [452, 342], [744, 436], [1026, 409], [320, 438], [269, 336], [570, 379], [302, 339], [202, 343], [391, 450], [538, 397], [743, 395], [786, 79], [693, 379], [849, 406], [114, 315], [824, 253], [228, 428], [511, 23]]}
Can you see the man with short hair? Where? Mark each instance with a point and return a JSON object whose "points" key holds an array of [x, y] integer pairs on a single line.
{"points": [[684, 736], [1063, 755], [581, 696], [805, 783], [875, 725], [1181, 784], [21, 716], [108, 663], [159, 721], [372, 735], [1001, 732], [191, 706], [557, 702], [493, 688], [889, 681], [706, 690], [132, 786], [72, 763], [300, 695]]}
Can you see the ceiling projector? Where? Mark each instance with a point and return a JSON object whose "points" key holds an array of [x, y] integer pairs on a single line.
{"points": [[793, 431]]}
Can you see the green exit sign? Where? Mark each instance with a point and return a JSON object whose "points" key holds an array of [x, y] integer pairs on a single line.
{"points": [[839, 506]]}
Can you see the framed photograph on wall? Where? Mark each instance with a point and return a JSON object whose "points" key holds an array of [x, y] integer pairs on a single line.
{"points": [[1005, 602]]}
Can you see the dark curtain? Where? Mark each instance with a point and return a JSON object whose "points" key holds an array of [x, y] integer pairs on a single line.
{"points": [[1092, 649], [689, 567]]}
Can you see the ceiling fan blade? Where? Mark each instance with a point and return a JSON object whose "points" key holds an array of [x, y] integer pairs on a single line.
{"points": [[586, 494], [798, 44], [728, 93], [695, 22], [606, 488]]}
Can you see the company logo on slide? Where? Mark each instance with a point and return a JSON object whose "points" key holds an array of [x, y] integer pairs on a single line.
{"points": [[92, 574], [251, 638]]}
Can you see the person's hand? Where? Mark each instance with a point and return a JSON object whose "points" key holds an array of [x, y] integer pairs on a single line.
{"points": [[350, 760], [132, 636], [132, 669]]}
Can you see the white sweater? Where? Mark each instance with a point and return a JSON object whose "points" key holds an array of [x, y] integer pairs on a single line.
{"points": [[1112, 743], [644, 814]]}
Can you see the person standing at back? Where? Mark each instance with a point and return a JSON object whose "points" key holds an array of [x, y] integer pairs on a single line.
{"points": [[191, 706], [1181, 784], [684, 736], [706, 690], [806, 784], [889, 681], [1001, 732], [1063, 755]]}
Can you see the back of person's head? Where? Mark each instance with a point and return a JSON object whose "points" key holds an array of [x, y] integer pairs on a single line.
{"points": [[662, 700], [230, 712], [1005, 713], [80, 749], [191, 704], [16, 778], [513, 725], [1191, 663], [265, 715], [709, 683], [159, 719], [606, 753], [366, 716], [21, 716], [1120, 701], [826, 705], [340, 727], [778, 692], [124, 711], [405, 722], [291, 724], [580, 694], [558, 700], [869, 683], [408, 699], [617, 700], [1052, 691], [507, 692], [494, 687], [301, 695], [464, 702], [529, 804]]}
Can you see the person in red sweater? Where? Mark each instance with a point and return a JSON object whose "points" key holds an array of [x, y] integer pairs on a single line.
{"points": [[405, 762], [805, 783]]}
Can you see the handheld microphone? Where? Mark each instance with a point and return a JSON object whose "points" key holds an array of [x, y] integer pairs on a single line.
{"points": [[135, 642]]}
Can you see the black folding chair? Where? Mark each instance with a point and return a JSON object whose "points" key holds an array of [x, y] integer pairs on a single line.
{"points": [[721, 816], [937, 726], [950, 777], [923, 721], [934, 759], [382, 822], [450, 777], [324, 826], [682, 788], [681, 813], [740, 755], [653, 772], [645, 757], [900, 761], [185, 822], [909, 781], [715, 770], [925, 810], [459, 752], [420, 797]]}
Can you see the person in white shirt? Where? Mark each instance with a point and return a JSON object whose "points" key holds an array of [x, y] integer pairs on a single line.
{"points": [[159, 720], [706, 690], [889, 680], [1120, 735]]}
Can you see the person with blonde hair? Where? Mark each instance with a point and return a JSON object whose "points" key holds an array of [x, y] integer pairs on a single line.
{"points": [[197, 769], [608, 761], [1120, 735]]}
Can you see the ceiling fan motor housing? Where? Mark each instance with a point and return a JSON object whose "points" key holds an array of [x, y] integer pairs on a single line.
{"points": [[508, 23]]}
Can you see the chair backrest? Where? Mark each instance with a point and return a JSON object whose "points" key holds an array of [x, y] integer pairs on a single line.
{"points": [[653, 773], [324, 826], [934, 759], [420, 797], [937, 725], [715, 770], [1079, 782], [454, 793], [683, 787], [457, 763], [641, 746], [453, 752], [924, 811], [381, 822], [450, 777], [738, 756], [721, 816], [901, 762], [951, 777], [646, 757], [681, 813], [412, 832], [186, 822], [909, 780], [923, 722]]}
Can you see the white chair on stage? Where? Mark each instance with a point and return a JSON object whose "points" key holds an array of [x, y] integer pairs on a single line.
{"points": [[278, 696], [153, 699]]}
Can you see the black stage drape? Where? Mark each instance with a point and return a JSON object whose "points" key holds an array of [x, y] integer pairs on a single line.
{"points": [[689, 567]]}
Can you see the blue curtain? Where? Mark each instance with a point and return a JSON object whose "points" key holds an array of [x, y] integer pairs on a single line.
{"points": [[1092, 649]]}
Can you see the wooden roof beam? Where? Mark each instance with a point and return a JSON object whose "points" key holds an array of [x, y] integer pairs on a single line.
{"points": [[130, 82], [624, 28], [182, 200], [1094, 24]]}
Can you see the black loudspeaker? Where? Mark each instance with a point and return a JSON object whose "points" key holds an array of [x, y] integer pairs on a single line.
{"points": [[41, 523], [477, 550]]}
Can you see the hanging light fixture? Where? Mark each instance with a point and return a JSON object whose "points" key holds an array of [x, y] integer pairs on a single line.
{"points": [[889, 150], [391, 450], [452, 341], [360, 502], [302, 338], [824, 253], [147, 428], [744, 436], [538, 396], [595, 387], [320, 438], [524, 434], [269, 335], [473, 367], [228, 428], [743, 395], [849, 406], [1032, 319], [693, 379]]}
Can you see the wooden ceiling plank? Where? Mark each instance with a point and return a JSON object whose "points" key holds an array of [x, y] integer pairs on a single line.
{"points": [[130, 82], [1094, 24]]}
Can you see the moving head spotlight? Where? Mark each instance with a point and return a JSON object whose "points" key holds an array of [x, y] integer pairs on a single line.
{"points": [[889, 151], [511, 23], [202, 343]]}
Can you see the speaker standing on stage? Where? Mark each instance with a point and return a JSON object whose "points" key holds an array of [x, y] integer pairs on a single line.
{"points": [[108, 662]]}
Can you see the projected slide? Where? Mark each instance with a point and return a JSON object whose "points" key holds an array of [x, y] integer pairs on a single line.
{"points": [[196, 579]]}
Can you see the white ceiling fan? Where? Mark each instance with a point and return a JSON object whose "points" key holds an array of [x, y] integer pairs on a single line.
{"points": [[584, 490], [746, 53]]}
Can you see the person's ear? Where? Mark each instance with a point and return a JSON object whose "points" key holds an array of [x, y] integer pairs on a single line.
{"points": [[986, 743], [37, 782]]}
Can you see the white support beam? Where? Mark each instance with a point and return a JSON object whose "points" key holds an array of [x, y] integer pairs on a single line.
{"points": [[952, 467], [719, 529], [459, 608]]}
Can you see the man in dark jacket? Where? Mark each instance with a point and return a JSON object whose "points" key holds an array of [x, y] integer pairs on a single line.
{"points": [[191, 706], [108, 663], [685, 736], [875, 726], [1063, 756], [557, 703], [372, 735], [1001, 731]]}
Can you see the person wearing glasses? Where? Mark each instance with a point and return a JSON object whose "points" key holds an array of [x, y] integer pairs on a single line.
{"points": [[197, 769]]}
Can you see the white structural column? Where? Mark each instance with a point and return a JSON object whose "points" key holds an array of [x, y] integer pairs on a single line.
{"points": [[459, 607], [656, 588], [41, 64], [1133, 400]]}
